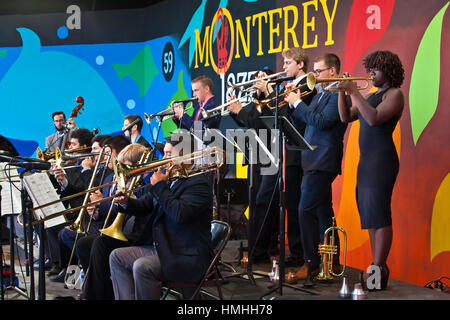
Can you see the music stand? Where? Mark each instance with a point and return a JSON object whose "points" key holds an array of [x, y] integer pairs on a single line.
{"points": [[233, 191], [286, 129]]}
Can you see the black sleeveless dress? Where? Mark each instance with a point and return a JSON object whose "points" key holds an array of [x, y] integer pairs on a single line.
{"points": [[377, 169]]}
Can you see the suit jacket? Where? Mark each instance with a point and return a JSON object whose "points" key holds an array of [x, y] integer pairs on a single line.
{"points": [[324, 129], [252, 120], [187, 122], [51, 143], [179, 226], [144, 142]]}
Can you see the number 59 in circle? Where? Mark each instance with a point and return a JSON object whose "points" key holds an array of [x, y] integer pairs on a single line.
{"points": [[168, 61]]}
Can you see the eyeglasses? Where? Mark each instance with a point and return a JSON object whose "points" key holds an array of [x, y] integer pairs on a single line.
{"points": [[319, 71], [59, 120]]}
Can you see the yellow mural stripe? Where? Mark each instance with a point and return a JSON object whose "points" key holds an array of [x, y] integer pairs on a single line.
{"points": [[440, 220]]}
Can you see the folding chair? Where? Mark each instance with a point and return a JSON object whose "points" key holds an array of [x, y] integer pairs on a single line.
{"points": [[220, 234]]}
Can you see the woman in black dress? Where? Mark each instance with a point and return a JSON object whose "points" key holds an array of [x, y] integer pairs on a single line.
{"points": [[378, 165]]}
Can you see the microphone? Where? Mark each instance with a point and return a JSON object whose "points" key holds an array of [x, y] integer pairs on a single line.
{"points": [[185, 101], [33, 165], [282, 79], [131, 125], [167, 112]]}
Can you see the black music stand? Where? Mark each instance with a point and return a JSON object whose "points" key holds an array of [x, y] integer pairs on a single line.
{"points": [[286, 130], [232, 192]]}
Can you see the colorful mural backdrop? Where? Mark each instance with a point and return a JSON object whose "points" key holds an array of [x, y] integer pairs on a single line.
{"points": [[137, 61]]}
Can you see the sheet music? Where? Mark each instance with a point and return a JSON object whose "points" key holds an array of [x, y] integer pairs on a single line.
{"points": [[41, 191], [11, 196]]}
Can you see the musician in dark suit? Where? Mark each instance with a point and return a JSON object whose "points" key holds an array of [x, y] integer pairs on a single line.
{"points": [[134, 132], [267, 199], [94, 249], [321, 166], [91, 222], [202, 89], [176, 242]]}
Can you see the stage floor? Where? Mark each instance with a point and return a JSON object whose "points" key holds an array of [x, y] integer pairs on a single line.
{"points": [[240, 288]]}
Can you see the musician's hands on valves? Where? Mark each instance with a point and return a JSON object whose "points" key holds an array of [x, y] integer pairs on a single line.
{"points": [[235, 107], [261, 85], [179, 111], [293, 95]]}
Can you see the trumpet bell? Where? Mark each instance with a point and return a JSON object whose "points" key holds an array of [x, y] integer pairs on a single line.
{"points": [[312, 80]]}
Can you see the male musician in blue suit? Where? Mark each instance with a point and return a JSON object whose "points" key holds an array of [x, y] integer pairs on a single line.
{"points": [[321, 166], [176, 242], [202, 89]]}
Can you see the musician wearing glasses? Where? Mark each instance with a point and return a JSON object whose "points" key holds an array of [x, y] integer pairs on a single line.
{"points": [[176, 242], [295, 65], [325, 130], [202, 89], [378, 166]]}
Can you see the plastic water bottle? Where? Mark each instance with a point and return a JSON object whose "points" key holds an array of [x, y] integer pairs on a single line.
{"points": [[274, 269]]}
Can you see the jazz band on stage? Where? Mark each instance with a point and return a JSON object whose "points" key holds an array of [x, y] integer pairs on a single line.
{"points": [[136, 224]]}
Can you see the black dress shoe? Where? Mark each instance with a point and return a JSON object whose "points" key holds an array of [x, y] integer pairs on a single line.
{"points": [[54, 270], [293, 261], [261, 259], [59, 277]]}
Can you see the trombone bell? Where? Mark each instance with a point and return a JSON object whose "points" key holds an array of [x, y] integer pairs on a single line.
{"points": [[115, 229]]}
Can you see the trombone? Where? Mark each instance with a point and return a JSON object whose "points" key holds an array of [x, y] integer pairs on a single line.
{"points": [[246, 83], [52, 155], [125, 172], [115, 229], [312, 80]]}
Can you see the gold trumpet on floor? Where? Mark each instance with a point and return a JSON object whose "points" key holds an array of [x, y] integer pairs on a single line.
{"points": [[312, 80], [328, 250]]}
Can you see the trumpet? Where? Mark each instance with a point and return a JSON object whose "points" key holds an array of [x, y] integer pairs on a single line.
{"points": [[328, 250], [312, 80], [246, 83], [281, 103], [220, 110], [169, 113]]}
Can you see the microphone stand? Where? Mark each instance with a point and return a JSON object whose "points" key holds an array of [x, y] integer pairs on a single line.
{"points": [[27, 212], [12, 272], [2, 294], [278, 286]]}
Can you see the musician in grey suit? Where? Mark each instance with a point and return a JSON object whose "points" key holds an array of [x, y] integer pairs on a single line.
{"points": [[59, 138]]}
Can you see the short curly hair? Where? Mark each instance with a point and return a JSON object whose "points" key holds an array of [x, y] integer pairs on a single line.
{"points": [[387, 62]]}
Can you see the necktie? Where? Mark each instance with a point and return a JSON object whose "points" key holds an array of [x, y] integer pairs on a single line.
{"points": [[198, 112]]}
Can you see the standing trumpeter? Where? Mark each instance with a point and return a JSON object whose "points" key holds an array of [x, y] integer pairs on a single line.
{"points": [[378, 165]]}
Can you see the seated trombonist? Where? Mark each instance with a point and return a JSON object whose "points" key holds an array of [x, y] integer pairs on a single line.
{"points": [[69, 180], [94, 249], [176, 242], [91, 223]]}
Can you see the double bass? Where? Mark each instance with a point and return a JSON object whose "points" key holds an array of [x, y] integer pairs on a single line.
{"points": [[71, 123]]}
